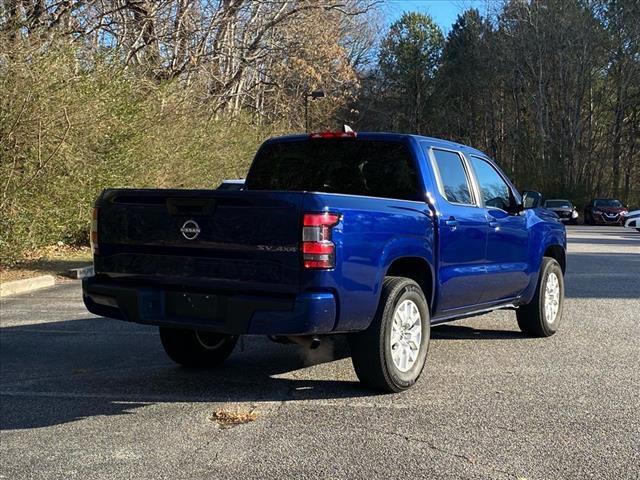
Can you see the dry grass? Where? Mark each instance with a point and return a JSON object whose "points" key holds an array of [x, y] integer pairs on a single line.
{"points": [[52, 260], [228, 419]]}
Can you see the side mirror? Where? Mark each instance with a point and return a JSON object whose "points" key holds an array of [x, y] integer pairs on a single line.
{"points": [[532, 199]]}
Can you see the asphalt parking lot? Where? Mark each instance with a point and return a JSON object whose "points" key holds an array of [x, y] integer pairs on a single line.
{"points": [[84, 397]]}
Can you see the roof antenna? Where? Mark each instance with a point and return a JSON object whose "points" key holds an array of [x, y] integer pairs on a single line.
{"points": [[346, 129]]}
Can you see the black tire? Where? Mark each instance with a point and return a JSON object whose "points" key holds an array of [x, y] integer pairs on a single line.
{"points": [[194, 349], [531, 317], [371, 351]]}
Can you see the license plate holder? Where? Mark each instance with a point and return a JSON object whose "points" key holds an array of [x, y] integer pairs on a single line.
{"points": [[191, 305]]}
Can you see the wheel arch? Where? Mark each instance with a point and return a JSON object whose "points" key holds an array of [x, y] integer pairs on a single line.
{"points": [[558, 253], [548, 239], [417, 269]]}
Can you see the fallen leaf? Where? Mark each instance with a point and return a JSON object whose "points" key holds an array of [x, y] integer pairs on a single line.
{"points": [[228, 419]]}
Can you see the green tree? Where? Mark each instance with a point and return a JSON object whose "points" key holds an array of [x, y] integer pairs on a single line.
{"points": [[408, 60], [552, 52], [465, 84], [621, 19], [549, 88]]}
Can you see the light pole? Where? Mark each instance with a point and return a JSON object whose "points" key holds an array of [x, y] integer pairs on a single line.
{"points": [[310, 95]]}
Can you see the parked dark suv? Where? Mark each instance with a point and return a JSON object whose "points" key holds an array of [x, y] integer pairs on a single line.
{"points": [[564, 209], [605, 211]]}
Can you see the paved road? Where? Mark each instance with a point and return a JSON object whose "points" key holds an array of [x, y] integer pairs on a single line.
{"points": [[85, 397]]}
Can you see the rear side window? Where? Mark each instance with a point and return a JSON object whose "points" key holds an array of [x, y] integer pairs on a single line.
{"points": [[453, 176], [352, 167]]}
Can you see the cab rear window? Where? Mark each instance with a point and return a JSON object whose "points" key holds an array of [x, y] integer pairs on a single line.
{"points": [[352, 167]]}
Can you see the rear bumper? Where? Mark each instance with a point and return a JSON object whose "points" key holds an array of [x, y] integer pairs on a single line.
{"points": [[306, 313]]}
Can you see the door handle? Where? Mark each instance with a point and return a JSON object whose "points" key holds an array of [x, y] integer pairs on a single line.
{"points": [[493, 223], [451, 222]]}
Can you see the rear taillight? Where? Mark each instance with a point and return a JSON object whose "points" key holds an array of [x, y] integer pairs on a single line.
{"points": [[318, 251], [94, 231]]}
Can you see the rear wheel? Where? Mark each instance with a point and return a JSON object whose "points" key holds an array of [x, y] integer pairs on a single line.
{"points": [[391, 353], [541, 317], [193, 348]]}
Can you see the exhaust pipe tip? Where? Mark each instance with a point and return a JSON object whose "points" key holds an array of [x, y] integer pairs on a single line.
{"points": [[315, 342], [307, 341]]}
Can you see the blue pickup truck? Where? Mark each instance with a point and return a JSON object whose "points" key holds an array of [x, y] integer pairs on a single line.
{"points": [[374, 235]]}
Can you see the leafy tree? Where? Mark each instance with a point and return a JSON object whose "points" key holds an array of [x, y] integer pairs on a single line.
{"points": [[465, 83], [621, 18], [408, 60], [553, 55], [549, 88]]}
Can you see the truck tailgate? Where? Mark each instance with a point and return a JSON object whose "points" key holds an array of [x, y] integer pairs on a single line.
{"points": [[237, 240]]}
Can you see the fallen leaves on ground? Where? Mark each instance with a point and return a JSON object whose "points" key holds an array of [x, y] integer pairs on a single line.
{"points": [[233, 418]]}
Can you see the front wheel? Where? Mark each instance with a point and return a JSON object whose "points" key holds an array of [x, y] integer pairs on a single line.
{"points": [[193, 348], [391, 353], [541, 317]]}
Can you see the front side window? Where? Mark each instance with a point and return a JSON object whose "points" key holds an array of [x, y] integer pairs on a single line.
{"points": [[453, 177], [495, 191]]}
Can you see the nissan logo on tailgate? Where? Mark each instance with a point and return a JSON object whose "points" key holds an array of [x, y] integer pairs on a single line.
{"points": [[190, 230]]}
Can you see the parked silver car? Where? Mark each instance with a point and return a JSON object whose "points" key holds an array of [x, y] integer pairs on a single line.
{"points": [[632, 220]]}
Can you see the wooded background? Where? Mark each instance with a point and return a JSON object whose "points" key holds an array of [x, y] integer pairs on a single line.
{"points": [[179, 93]]}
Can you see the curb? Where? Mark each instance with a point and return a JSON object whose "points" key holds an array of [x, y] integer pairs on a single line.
{"points": [[26, 285], [82, 272]]}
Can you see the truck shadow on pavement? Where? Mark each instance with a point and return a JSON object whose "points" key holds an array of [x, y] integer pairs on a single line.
{"points": [[462, 332], [60, 372]]}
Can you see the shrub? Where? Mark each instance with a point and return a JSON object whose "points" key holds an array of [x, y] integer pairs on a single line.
{"points": [[69, 128]]}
